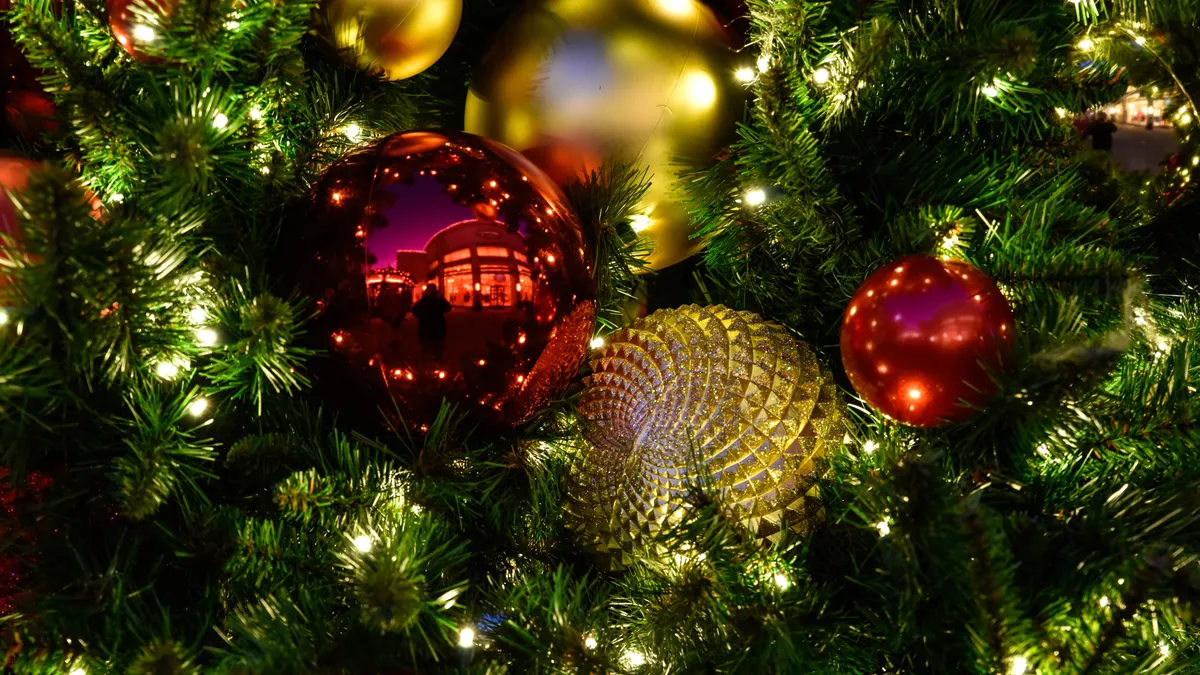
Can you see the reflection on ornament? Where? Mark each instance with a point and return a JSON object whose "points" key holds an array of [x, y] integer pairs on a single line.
{"points": [[920, 336], [701, 395], [137, 24], [402, 37], [448, 266], [574, 82]]}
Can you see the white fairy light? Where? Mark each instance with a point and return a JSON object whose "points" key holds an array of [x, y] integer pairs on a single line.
{"points": [[1086, 44], [589, 641], [1164, 649], [884, 528], [821, 75], [640, 221], [745, 74], [989, 91], [143, 33], [870, 446], [363, 543], [3, 317], [1103, 601], [1139, 39], [197, 407], [198, 315], [782, 581], [634, 659], [598, 342], [220, 121], [1018, 665], [352, 131], [206, 337], [466, 637], [117, 197], [255, 113], [167, 370], [756, 197], [764, 62]]}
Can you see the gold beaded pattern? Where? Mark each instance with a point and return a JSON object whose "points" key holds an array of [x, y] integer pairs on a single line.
{"points": [[704, 395]]}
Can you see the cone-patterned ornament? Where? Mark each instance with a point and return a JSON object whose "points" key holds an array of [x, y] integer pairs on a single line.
{"points": [[701, 395]]}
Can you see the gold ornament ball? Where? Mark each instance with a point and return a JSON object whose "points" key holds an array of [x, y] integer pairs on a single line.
{"points": [[572, 83], [701, 395], [403, 37]]}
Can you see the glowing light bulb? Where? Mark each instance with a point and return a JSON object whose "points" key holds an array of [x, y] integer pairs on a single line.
{"points": [[884, 528], [3, 317], [206, 337], [363, 543], [589, 641], [1086, 44], [756, 197], [255, 113], [1163, 649], [639, 221], [466, 637], [1139, 39], [699, 89], [781, 581], [745, 74], [1195, 160], [1019, 663], [352, 131], [118, 197], [1104, 601], [143, 33], [634, 659], [78, 671], [1062, 112], [220, 121], [870, 446], [598, 342], [821, 75], [197, 407], [763, 63], [198, 315], [167, 370], [989, 91]]}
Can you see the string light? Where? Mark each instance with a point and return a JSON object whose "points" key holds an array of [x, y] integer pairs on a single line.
{"points": [[1139, 39], [143, 33], [3, 317], [167, 370], [206, 337], [352, 131], [197, 407], [821, 75], [589, 641], [745, 74], [232, 24], [870, 446], [634, 659], [220, 121], [989, 91], [117, 197], [884, 528], [1062, 112], [1018, 665], [1103, 601], [198, 315], [763, 63], [78, 671], [1086, 44], [782, 581], [466, 637], [255, 114], [363, 543], [598, 342], [756, 197], [639, 221], [1164, 649]]}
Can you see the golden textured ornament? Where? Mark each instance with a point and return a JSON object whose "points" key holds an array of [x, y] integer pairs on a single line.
{"points": [[701, 395], [403, 37], [571, 83]]}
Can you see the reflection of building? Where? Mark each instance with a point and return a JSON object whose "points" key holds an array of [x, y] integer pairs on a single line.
{"points": [[390, 293], [478, 263], [1133, 108]]}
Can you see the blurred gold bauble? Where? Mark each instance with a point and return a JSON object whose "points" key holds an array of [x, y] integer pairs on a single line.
{"points": [[574, 82], [701, 396], [403, 37]]}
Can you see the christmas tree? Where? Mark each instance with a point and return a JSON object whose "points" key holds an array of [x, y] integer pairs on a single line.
{"points": [[303, 370]]}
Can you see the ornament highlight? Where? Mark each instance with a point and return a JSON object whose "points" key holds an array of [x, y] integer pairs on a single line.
{"points": [[403, 37], [701, 395], [447, 266], [920, 336], [572, 83], [138, 23]]}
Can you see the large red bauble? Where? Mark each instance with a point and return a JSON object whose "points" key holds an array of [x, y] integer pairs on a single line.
{"points": [[920, 337], [447, 266], [14, 176], [132, 30]]}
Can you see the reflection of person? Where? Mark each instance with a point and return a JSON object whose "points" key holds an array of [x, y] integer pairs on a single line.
{"points": [[430, 311], [1101, 132]]}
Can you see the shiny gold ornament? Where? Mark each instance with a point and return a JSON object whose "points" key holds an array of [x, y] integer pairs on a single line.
{"points": [[403, 37], [573, 82], [701, 395]]}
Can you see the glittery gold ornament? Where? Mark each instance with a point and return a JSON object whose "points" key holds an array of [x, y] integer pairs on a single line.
{"points": [[403, 37], [571, 83], [701, 395]]}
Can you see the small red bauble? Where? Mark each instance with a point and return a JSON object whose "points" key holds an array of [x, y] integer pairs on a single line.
{"points": [[133, 30], [920, 337]]}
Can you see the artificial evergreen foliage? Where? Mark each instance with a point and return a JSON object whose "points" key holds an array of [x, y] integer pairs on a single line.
{"points": [[184, 497]]}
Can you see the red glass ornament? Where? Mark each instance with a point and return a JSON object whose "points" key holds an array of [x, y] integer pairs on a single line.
{"points": [[447, 266], [920, 336], [135, 31], [30, 113]]}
